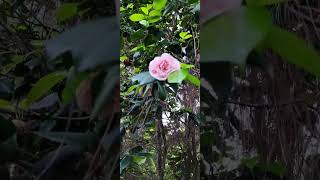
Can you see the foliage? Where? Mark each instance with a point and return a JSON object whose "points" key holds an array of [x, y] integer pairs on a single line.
{"points": [[249, 27], [245, 48], [149, 29], [53, 107]]}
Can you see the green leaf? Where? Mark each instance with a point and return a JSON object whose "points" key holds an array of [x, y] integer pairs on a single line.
{"points": [[7, 129], [130, 6], [177, 76], [46, 102], [293, 49], [123, 58], [152, 164], [70, 138], [22, 27], [122, 8], [149, 6], [139, 159], [140, 47], [16, 59], [37, 43], [156, 13], [194, 80], [143, 78], [102, 47], [185, 35], [159, 4], [67, 11], [186, 66], [232, 36], [144, 23], [162, 93], [73, 81], [125, 163], [4, 104], [137, 17], [145, 10], [153, 19], [42, 87], [130, 89], [264, 2]]}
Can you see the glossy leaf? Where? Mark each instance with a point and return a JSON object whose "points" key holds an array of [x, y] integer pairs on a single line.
{"points": [[293, 49], [144, 23], [185, 35], [17, 59], [46, 102], [152, 164], [42, 87], [193, 80], [137, 17], [153, 19], [186, 66], [178, 76], [125, 163], [73, 81], [145, 10], [4, 104], [143, 78], [232, 36], [90, 44], [130, 89], [155, 13], [162, 93], [139, 159], [159, 4]]}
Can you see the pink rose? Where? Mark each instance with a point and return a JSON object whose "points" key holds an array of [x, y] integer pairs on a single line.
{"points": [[161, 67]]}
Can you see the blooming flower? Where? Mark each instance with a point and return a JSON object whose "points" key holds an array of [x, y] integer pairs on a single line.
{"points": [[161, 67]]}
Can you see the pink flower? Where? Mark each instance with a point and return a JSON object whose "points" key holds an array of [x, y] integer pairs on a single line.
{"points": [[161, 67]]}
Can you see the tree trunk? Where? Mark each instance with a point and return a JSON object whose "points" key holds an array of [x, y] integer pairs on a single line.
{"points": [[161, 146]]}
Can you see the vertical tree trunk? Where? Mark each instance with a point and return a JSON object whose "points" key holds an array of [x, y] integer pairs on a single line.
{"points": [[161, 146], [191, 161]]}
